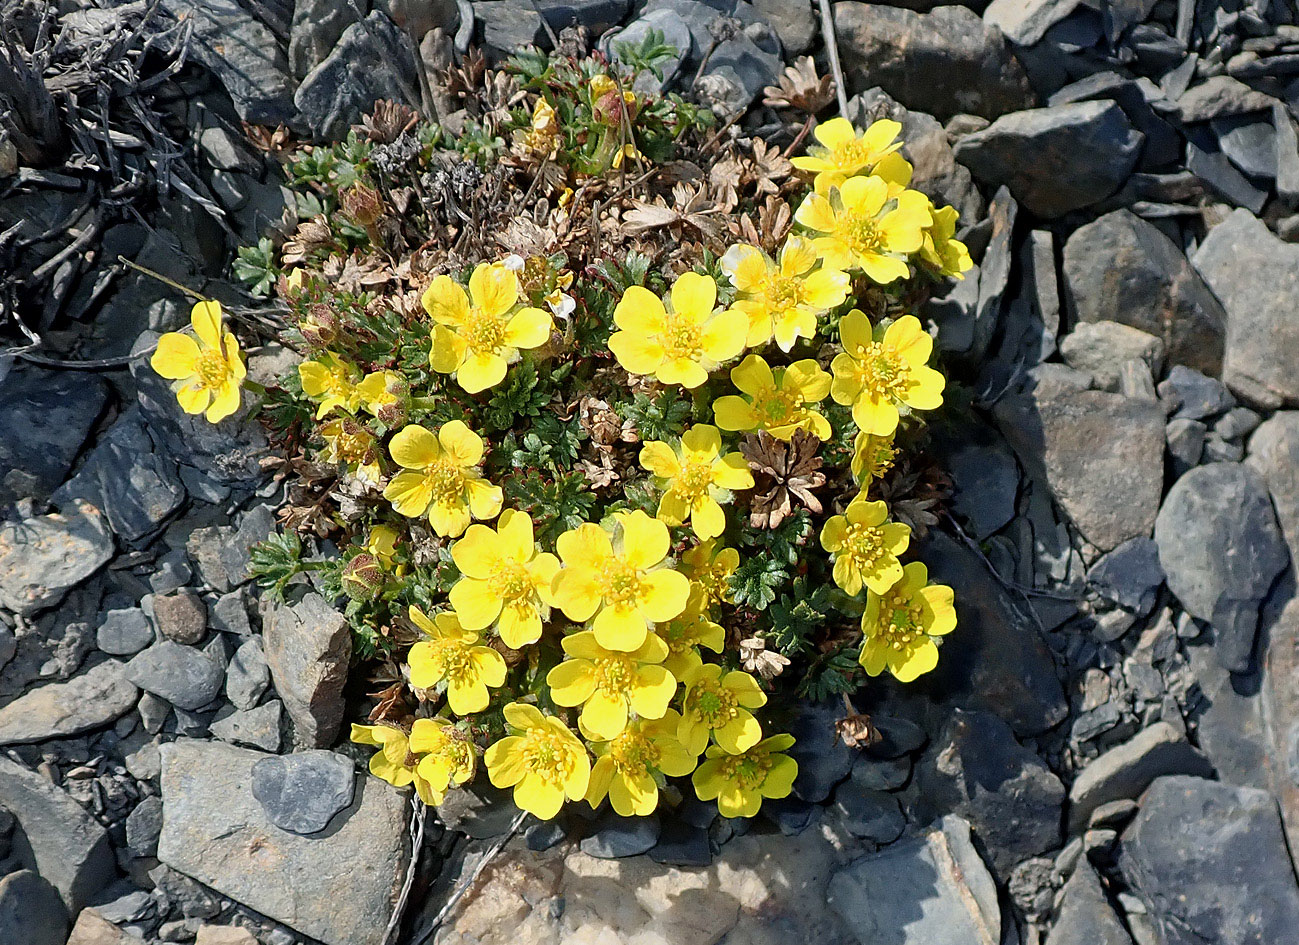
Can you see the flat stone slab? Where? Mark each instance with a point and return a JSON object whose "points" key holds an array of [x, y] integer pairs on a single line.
{"points": [[338, 886], [44, 557], [302, 792], [98, 696]]}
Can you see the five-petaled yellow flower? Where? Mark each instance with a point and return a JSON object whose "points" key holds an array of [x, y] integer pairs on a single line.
{"points": [[680, 346], [506, 582], [542, 760], [941, 249], [875, 376], [785, 297], [720, 703], [455, 656], [479, 333], [697, 478], [625, 766], [740, 782], [207, 372], [331, 382], [865, 547], [901, 627], [872, 456], [448, 756], [686, 633], [709, 568], [776, 400], [621, 580], [354, 446], [609, 685], [858, 232], [842, 152], [440, 477], [395, 761]]}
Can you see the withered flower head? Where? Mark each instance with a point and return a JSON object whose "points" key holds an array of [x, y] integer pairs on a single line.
{"points": [[363, 204], [785, 472]]}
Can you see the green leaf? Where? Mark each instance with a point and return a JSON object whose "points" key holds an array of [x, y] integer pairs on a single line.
{"points": [[275, 561], [755, 582], [255, 267]]}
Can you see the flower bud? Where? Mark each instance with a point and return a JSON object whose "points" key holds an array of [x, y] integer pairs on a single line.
{"points": [[320, 326], [363, 204], [363, 578]]}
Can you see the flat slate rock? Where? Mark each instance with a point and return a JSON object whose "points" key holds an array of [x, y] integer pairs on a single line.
{"points": [[124, 632], [91, 700], [1086, 916], [308, 646], [45, 417], [258, 727], [338, 886], [185, 676], [31, 912], [44, 557], [1274, 452], [302, 792]]}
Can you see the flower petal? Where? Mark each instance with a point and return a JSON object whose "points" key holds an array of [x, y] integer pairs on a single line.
{"points": [[694, 295], [645, 541], [475, 602], [666, 594], [410, 493], [175, 356], [493, 289], [205, 316], [528, 328], [571, 682], [414, 447], [461, 443]]}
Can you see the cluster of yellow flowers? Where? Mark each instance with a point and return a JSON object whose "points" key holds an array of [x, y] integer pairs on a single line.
{"points": [[647, 703]]}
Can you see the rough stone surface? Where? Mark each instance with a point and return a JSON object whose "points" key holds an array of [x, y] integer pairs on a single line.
{"points": [[338, 887], [1103, 348], [46, 417], [181, 616], [1221, 548], [94, 929], [31, 912], [124, 632], [308, 647], [186, 677], [44, 557], [613, 837], [317, 27], [257, 728], [1086, 917], [86, 702], [302, 792], [1274, 452], [247, 676], [1055, 159], [1099, 454], [823, 758], [945, 62], [1209, 861], [1262, 342], [1128, 769], [1026, 21], [1130, 575], [56, 836]]}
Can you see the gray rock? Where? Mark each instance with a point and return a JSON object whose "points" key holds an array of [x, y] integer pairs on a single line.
{"points": [[230, 614], [510, 25], [1249, 141], [1010, 798], [31, 912], [878, 774], [1099, 454], [1128, 769], [46, 417], [127, 907], [181, 616], [93, 699], [998, 661], [792, 20], [247, 676], [317, 27], [613, 837], [143, 825], [1221, 548], [243, 54], [302, 792], [1102, 348], [44, 557], [1220, 96], [1122, 268], [171, 571], [1221, 176], [736, 73], [1185, 440], [985, 478], [1274, 452], [184, 676], [945, 62], [675, 33], [373, 60], [870, 815], [933, 890], [338, 887], [1209, 862], [153, 712], [680, 844], [93, 929], [1130, 575], [1237, 423], [1229, 725], [64, 843], [225, 151], [1191, 395], [1086, 916], [1025, 22], [481, 810], [1287, 156], [1055, 160], [1262, 343], [823, 758], [221, 552], [256, 728], [308, 647]]}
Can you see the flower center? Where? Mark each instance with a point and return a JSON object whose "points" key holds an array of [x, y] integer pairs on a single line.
{"points": [[679, 635], [783, 293], [211, 368], [713, 703], [352, 444], [695, 479], [622, 582], [614, 674], [633, 754], [546, 756], [778, 405], [446, 482], [864, 544], [904, 622], [880, 371], [455, 661], [749, 771], [862, 235], [853, 154], [510, 581], [484, 334], [681, 337]]}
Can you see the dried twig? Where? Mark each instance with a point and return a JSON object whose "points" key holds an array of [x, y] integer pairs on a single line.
{"points": [[418, 814], [832, 47]]}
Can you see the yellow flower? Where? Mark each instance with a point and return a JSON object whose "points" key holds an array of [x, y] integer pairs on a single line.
{"points": [[440, 477], [543, 761], [684, 635], [940, 249], [783, 298], [719, 703], [865, 547], [448, 755], [626, 152], [901, 627], [875, 376], [696, 477], [776, 400], [626, 766], [740, 781], [479, 334], [453, 655], [844, 153], [542, 137], [207, 372], [353, 445], [331, 382], [505, 583], [859, 233], [611, 684], [872, 456], [684, 345], [710, 568], [382, 543], [621, 580], [395, 762], [386, 395]]}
